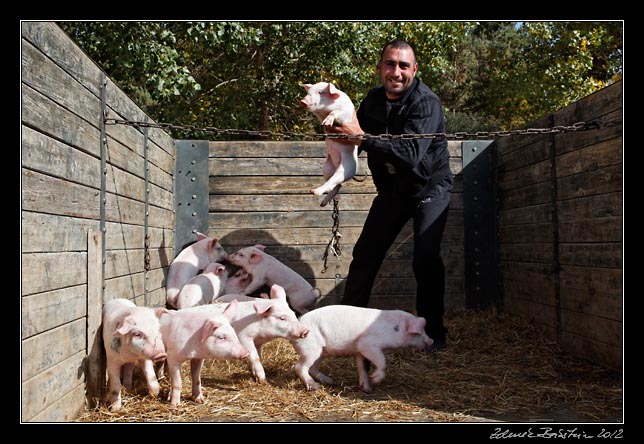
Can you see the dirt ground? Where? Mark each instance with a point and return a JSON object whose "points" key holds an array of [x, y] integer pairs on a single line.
{"points": [[497, 368]]}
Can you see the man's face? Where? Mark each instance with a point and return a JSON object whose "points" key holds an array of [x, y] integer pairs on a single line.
{"points": [[397, 71]]}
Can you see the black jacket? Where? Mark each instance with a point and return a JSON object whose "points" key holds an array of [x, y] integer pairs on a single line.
{"points": [[408, 167]]}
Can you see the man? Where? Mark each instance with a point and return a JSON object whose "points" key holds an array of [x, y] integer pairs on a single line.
{"points": [[413, 180]]}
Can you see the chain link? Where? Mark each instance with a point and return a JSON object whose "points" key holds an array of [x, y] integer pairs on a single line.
{"points": [[462, 135], [334, 244]]}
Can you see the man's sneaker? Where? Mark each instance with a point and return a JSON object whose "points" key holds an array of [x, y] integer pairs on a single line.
{"points": [[439, 344]]}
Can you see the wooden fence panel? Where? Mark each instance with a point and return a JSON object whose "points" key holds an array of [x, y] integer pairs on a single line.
{"points": [[61, 201], [259, 193], [561, 229]]}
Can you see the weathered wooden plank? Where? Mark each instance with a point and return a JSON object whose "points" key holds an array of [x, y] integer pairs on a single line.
{"points": [[45, 350], [312, 269], [591, 158], [525, 176], [528, 196], [44, 311], [605, 229], [47, 194], [49, 156], [51, 271], [526, 252], [530, 282], [538, 233], [66, 409], [596, 351], [156, 298], [222, 185], [123, 262], [51, 40], [597, 328], [42, 74], [156, 281], [162, 151], [508, 145], [51, 233], [591, 254], [287, 149], [267, 219], [606, 180], [385, 286], [72, 63], [47, 388], [308, 236], [544, 315], [536, 214], [50, 118], [127, 287], [527, 155], [296, 219], [592, 290], [303, 202], [126, 236], [594, 105], [95, 365], [594, 206], [566, 142], [271, 166]]}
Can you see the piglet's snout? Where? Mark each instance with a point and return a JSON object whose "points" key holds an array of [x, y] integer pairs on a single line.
{"points": [[159, 357]]}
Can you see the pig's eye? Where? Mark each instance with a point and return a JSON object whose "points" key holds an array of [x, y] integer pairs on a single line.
{"points": [[137, 334], [282, 318]]}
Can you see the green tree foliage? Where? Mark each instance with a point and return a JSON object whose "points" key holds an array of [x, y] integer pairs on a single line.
{"points": [[247, 75]]}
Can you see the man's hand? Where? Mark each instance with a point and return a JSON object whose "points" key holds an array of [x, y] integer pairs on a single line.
{"points": [[352, 127]]}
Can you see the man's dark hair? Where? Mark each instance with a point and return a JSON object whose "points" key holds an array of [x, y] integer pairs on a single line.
{"points": [[398, 44]]}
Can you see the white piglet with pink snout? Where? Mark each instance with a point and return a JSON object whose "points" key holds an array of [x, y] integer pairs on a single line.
{"points": [[366, 333], [203, 288], [332, 106], [267, 270], [189, 262], [195, 336], [131, 335]]}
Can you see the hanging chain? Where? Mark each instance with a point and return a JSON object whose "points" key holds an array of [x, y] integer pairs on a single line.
{"points": [[334, 244], [579, 126]]}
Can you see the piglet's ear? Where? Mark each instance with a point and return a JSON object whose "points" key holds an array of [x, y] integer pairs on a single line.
{"points": [[277, 292], [230, 311], [160, 311], [415, 325], [306, 86], [220, 269], [125, 326], [260, 247], [200, 236], [208, 327], [212, 244], [262, 309], [255, 258], [333, 91]]}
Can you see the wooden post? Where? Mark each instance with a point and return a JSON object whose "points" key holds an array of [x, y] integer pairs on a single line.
{"points": [[95, 379]]}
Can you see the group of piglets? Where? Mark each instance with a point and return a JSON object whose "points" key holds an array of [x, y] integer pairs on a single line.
{"points": [[213, 323]]}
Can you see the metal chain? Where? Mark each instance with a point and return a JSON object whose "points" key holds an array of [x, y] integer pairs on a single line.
{"points": [[578, 126], [334, 244]]}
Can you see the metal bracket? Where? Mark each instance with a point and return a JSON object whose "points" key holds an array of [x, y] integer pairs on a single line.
{"points": [[102, 193], [190, 191], [480, 220], [146, 234]]}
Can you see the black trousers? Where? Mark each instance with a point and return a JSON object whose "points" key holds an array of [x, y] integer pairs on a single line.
{"points": [[388, 215]]}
